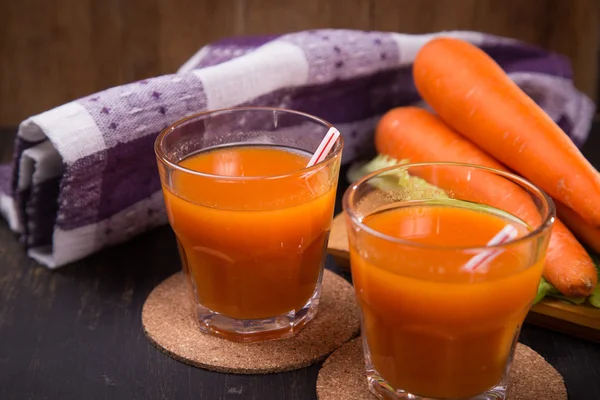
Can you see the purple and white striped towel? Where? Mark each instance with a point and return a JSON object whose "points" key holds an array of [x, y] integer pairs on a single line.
{"points": [[84, 175]]}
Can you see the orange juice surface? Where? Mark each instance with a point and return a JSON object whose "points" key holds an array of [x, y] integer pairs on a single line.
{"points": [[252, 245], [434, 329]]}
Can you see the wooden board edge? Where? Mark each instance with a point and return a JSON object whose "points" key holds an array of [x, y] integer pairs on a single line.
{"points": [[563, 326]]}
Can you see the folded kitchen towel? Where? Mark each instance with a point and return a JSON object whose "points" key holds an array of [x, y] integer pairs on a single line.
{"points": [[84, 175]]}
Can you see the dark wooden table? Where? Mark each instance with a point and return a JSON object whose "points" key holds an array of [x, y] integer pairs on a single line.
{"points": [[75, 333]]}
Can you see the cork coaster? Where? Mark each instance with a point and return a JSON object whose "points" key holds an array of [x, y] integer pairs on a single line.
{"points": [[171, 326], [343, 376]]}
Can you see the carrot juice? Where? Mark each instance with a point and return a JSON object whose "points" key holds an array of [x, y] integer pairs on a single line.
{"points": [[252, 228], [432, 328]]}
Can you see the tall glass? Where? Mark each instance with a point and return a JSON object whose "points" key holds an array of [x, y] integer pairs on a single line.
{"points": [[441, 310], [251, 220]]}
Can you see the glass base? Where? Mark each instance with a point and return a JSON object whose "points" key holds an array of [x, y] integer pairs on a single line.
{"points": [[382, 390], [257, 330]]}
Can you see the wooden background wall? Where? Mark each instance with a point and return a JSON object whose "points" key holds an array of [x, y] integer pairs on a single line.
{"points": [[53, 51]]}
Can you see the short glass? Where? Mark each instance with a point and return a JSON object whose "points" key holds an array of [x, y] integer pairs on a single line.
{"points": [[252, 246], [441, 311]]}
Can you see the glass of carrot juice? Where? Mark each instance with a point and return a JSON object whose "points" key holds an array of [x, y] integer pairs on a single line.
{"points": [[446, 259], [251, 219]]}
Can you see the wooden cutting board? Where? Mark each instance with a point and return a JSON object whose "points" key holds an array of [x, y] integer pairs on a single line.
{"points": [[577, 320]]}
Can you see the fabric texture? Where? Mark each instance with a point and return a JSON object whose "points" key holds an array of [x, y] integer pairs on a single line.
{"points": [[84, 174]]}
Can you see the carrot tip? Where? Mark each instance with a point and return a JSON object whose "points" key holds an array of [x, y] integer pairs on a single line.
{"points": [[581, 290]]}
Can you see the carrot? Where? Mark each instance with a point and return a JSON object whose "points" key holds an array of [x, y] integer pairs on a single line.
{"points": [[472, 94], [586, 233], [419, 136]]}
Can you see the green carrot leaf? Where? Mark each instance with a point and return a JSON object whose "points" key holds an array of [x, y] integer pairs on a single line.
{"points": [[543, 290]]}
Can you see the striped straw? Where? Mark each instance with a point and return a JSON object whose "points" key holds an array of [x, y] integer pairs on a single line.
{"points": [[507, 234], [325, 147]]}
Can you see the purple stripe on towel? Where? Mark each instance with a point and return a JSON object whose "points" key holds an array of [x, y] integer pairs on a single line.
{"points": [[357, 99], [42, 205], [128, 178], [80, 189], [344, 101], [108, 183], [525, 58]]}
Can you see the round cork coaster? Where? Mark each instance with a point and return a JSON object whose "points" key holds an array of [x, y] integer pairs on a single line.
{"points": [[343, 376], [170, 325]]}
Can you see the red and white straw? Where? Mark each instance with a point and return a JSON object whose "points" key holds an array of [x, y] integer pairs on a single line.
{"points": [[325, 147], [507, 234]]}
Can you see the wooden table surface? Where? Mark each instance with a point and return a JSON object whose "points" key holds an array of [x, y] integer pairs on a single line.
{"points": [[75, 333]]}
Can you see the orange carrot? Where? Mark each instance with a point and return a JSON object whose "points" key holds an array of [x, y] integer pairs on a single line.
{"points": [[473, 95], [586, 233], [419, 136]]}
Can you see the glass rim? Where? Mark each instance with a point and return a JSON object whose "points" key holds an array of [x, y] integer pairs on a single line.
{"points": [[547, 220], [160, 153]]}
